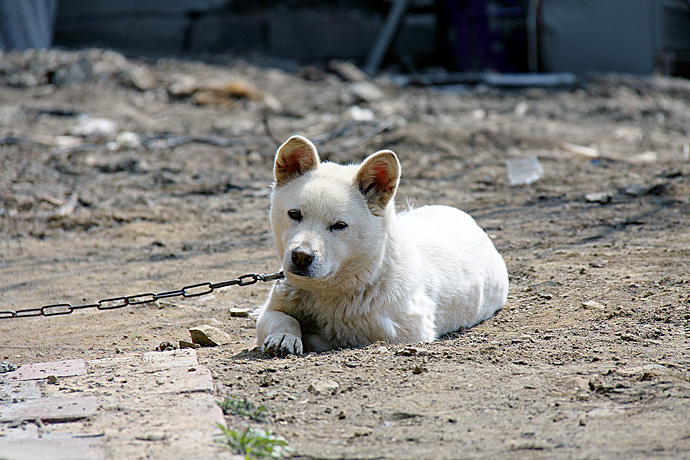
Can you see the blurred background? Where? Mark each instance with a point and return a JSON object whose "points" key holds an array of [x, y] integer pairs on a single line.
{"points": [[507, 36]]}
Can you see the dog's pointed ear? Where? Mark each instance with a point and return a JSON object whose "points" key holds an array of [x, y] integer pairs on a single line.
{"points": [[294, 158], [378, 178]]}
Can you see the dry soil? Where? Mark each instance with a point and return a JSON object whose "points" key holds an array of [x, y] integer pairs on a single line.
{"points": [[590, 358]]}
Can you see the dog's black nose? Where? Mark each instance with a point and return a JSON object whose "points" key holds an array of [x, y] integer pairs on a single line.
{"points": [[302, 258]]}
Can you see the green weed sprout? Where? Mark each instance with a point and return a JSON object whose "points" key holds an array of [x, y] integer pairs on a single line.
{"points": [[253, 443], [244, 408]]}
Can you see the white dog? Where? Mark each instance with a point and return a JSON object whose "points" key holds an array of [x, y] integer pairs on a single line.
{"points": [[356, 272]]}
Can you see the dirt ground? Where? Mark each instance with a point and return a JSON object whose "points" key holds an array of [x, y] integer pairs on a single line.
{"points": [[590, 358]]}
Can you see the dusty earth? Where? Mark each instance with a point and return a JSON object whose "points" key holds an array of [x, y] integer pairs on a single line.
{"points": [[590, 358]]}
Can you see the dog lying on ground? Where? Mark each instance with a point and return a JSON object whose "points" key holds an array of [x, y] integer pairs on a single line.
{"points": [[357, 272]]}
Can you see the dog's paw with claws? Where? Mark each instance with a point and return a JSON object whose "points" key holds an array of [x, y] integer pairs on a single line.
{"points": [[282, 345]]}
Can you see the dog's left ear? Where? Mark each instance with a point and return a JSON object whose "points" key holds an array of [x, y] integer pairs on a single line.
{"points": [[378, 178], [294, 158]]}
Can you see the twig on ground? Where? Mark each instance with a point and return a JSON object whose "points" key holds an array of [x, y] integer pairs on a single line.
{"points": [[339, 131], [267, 128], [377, 129]]}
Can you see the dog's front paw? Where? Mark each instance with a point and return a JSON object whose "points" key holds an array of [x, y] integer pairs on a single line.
{"points": [[282, 345]]}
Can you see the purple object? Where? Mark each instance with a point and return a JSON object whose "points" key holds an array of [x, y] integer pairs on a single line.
{"points": [[481, 35]]}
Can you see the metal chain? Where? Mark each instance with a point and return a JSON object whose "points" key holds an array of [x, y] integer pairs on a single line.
{"points": [[112, 303]]}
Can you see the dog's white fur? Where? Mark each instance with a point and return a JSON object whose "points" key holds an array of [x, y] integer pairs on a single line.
{"points": [[356, 272]]}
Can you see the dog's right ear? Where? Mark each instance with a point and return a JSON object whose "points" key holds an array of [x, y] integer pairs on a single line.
{"points": [[294, 158], [378, 178]]}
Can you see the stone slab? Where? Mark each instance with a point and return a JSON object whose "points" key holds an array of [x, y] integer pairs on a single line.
{"points": [[166, 426], [18, 391], [175, 380], [95, 366], [173, 358], [49, 409], [155, 405], [191, 380], [68, 448], [42, 370], [163, 372], [21, 431], [147, 362]]}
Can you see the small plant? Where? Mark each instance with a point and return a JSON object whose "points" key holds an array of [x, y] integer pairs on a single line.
{"points": [[244, 408], [253, 443]]}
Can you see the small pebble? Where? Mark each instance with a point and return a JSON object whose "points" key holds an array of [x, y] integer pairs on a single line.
{"points": [[185, 344], [600, 197], [165, 346], [239, 312], [412, 351], [323, 387], [209, 336], [154, 436], [593, 305], [419, 369], [6, 366], [635, 190]]}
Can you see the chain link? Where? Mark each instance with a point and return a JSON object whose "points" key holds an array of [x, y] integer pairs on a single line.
{"points": [[112, 303]]}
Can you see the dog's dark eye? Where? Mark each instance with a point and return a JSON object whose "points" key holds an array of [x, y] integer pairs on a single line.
{"points": [[295, 214], [340, 225]]}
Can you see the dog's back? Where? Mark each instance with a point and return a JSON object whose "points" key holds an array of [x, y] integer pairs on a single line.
{"points": [[463, 272]]}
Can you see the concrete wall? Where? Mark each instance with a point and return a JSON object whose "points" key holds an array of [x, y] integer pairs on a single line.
{"points": [[306, 33], [153, 26], [26, 23], [594, 35]]}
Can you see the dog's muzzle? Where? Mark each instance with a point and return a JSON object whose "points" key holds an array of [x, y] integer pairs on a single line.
{"points": [[301, 261]]}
